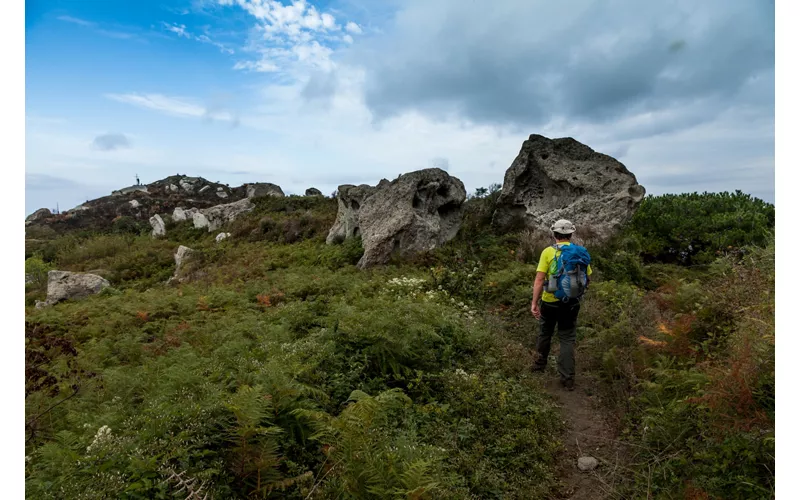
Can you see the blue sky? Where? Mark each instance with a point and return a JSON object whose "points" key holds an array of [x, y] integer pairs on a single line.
{"points": [[351, 91]]}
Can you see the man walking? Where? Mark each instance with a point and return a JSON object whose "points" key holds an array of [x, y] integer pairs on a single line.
{"points": [[552, 311]]}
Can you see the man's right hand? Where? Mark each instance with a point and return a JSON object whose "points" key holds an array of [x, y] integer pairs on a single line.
{"points": [[537, 313]]}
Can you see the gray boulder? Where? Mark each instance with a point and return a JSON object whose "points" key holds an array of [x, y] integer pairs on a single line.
{"points": [[134, 203], [182, 214], [555, 179], [350, 199], [215, 217], [41, 214], [414, 213], [313, 192], [222, 236], [259, 189], [159, 228], [182, 255], [64, 285]]}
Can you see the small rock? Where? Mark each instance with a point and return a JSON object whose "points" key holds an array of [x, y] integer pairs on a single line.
{"points": [[587, 463], [222, 194], [222, 236], [181, 256], [134, 203], [204, 188], [173, 187]]}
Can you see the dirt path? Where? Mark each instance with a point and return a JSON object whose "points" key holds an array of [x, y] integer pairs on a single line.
{"points": [[588, 433]]}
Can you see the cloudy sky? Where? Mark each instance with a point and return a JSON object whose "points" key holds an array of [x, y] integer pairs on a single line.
{"points": [[321, 93]]}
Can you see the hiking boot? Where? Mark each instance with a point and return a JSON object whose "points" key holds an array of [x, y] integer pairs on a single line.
{"points": [[568, 384]]}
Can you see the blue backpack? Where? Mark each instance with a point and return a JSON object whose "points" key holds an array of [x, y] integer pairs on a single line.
{"points": [[571, 277]]}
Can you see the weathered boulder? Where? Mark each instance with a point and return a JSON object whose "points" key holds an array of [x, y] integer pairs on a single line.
{"points": [[221, 193], [183, 254], [182, 214], [555, 179], [65, 285], [159, 228], [40, 214], [259, 189], [350, 199], [134, 203], [222, 236], [215, 217], [313, 192], [414, 213]]}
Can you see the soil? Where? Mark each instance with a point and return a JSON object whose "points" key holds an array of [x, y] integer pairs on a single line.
{"points": [[589, 432]]}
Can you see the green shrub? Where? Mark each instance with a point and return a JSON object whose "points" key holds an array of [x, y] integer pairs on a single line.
{"points": [[695, 228]]}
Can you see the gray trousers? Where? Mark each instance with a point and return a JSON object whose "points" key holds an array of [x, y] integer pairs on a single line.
{"points": [[564, 315]]}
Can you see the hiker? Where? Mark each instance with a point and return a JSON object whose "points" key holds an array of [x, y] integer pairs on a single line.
{"points": [[561, 279]]}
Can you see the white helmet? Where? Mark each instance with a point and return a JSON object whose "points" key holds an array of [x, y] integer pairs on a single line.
{"points": [[563, 226]]}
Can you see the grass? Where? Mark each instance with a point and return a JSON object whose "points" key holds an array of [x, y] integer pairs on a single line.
{"points": [[277, 369]]}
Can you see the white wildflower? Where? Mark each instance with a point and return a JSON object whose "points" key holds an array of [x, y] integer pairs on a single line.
{"points": [[103, 434]]}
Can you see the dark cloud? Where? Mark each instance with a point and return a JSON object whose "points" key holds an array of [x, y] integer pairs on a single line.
{"points": [[110, 142], [523, 63]]}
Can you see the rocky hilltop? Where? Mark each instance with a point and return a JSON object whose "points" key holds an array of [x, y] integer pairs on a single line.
{"points": [[146, 201], [550, 179]]}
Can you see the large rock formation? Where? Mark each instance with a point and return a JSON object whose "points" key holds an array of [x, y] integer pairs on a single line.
{"points": [[414, 213], [64, 285], [312, 191], [564, 179], [350, 198], [215, 217], [259, 189], [41, 214]]}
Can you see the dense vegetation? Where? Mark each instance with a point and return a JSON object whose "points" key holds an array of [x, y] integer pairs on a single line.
{"points": [[276, 369]]}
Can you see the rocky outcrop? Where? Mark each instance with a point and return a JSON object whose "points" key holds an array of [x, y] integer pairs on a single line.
{"points": [[414, 213], [181, 214], [159, 228], [350, 199], [313, 192], [555, 179], [259, 189], [215, 217], [41, 214], [128, 190], [64, 285], [222, 236]]}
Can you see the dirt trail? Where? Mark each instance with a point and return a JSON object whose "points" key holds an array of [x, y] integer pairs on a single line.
{"points": [[588, 433]]}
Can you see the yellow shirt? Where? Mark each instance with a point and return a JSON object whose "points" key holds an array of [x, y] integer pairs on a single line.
{"points": [[547, 265]]}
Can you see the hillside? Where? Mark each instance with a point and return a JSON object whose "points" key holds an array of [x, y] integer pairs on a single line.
{"points": [[273, 366]]}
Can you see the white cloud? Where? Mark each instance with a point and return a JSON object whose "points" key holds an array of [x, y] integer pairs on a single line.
{"points": [[293, 39], [182, 32], [353, 28], [174, 106], [178, 29], [75, 20]]}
